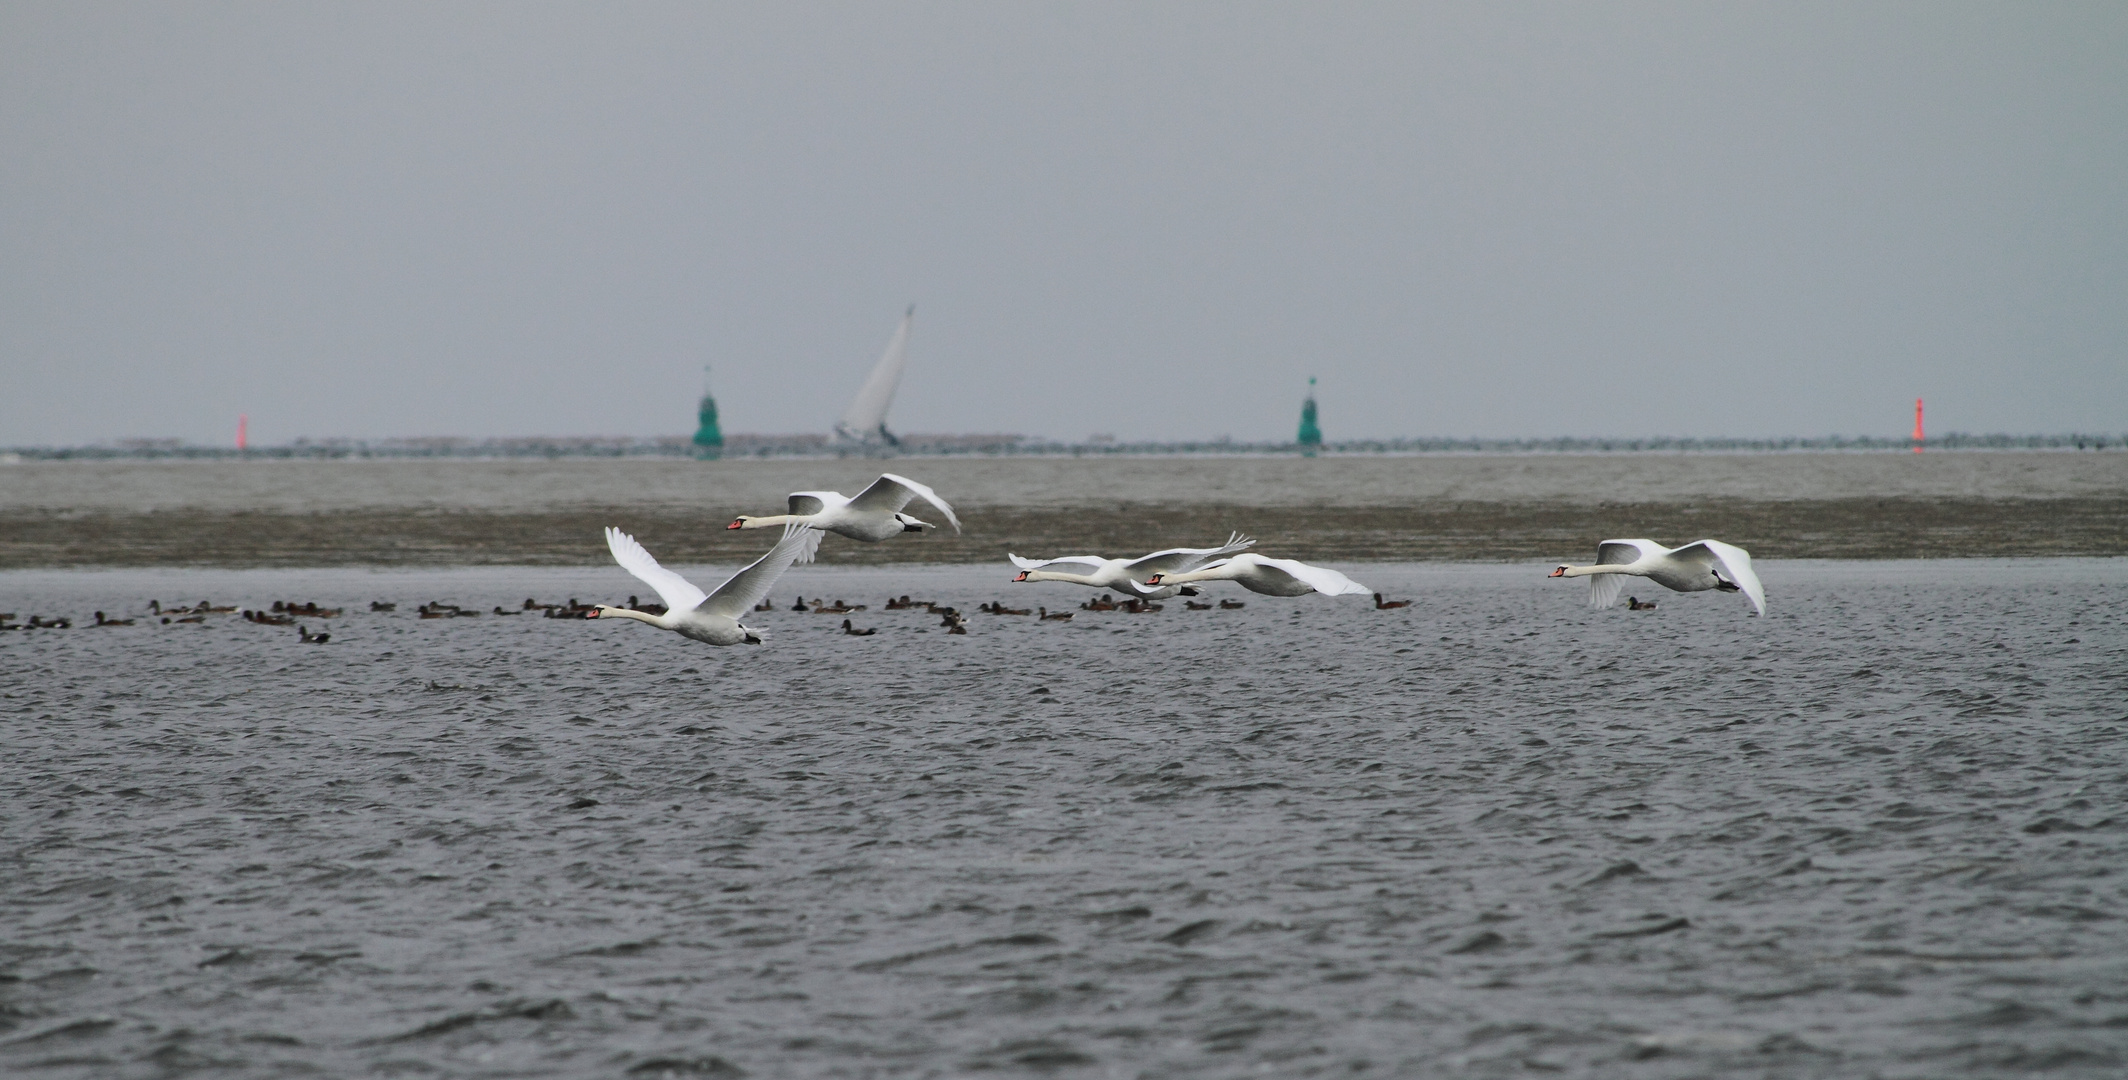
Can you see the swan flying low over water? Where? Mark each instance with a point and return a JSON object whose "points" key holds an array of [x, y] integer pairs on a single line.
{"points": [[1695, 567], [871, 515], [1127, 576], [1271, 577], [714, 617]]}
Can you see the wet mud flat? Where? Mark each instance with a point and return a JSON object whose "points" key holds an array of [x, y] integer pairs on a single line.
{"points": [[1445, 507], [1880, 832], [1890, 528]]}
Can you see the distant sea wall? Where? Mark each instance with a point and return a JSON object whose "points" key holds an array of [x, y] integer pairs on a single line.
{"points": [[802, 446]]}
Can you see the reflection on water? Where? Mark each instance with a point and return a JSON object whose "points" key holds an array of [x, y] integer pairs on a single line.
{"points": [[1877, 832]]}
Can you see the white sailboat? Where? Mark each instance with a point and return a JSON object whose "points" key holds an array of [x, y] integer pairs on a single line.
{"points": [[864, 424]]}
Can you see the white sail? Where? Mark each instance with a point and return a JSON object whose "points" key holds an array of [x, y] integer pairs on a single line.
{"points": [[865, 421]]}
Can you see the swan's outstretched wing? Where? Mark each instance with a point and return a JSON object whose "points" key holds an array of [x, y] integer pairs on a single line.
{"points": [[1089, 562], [738, 595], [1604, 588], [808, 503], [1626, 551], [678, 593], [812, 545], [1736, 566], [890, 493], [1184, 560], [1320, 578]]}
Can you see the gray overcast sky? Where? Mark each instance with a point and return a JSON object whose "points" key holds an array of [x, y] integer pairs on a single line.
{"points": [[1154, 220]]}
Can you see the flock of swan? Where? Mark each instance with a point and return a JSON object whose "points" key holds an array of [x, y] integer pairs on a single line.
{"points": [[876, 514]]}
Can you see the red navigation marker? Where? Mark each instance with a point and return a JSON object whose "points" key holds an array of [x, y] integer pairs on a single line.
{"points": [[1918, 436]]}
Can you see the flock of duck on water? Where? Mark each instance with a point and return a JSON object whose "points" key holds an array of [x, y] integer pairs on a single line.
{"points": [[877, 513]]}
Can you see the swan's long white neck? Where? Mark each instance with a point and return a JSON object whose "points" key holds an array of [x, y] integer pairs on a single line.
{"points": [[1606, 568], [1050, 575], [776, 521], [662, 622]]}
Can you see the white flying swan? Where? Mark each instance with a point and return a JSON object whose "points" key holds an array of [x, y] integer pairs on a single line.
{"points": [[873, 514], [711, 618], [1700, 565], [1127, 576], [1271, 577]]}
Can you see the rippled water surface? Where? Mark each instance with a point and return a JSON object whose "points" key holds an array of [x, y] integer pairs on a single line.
{"points": [[1881, 832]]}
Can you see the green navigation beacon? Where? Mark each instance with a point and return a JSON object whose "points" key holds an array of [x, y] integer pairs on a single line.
{"points": [[709, 440], [1311, 436]]}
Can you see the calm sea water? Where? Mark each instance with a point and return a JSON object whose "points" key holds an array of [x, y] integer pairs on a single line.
{"points": [[1879, 833]]}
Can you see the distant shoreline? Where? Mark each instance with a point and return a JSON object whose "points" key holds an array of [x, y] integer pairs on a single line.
{"points": [[1895, 528], [739, 447], [1361, 508]]}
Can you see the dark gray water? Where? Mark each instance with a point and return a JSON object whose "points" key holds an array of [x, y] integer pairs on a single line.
{"points": [[1881, 832]]}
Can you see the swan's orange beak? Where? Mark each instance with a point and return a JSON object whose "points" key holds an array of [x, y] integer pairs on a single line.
{"points": [[736, 525], [1022, 576], [1561, 572], [1155, 579]]}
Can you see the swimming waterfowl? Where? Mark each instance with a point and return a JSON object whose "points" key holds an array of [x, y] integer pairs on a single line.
{"points": [[310, 638], [1633, 604], [871, 515], [854, 632], [1385, 605], [711, 618], [1232, 604], [1047, 616], [1128, 576], [1694, 567], [102, 621], [1192, 605], [1272, 577]]}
